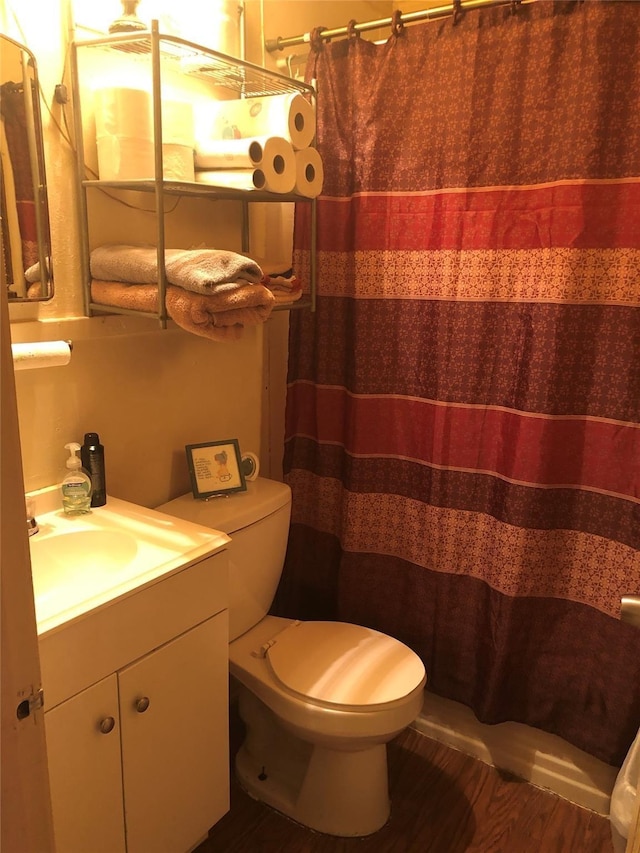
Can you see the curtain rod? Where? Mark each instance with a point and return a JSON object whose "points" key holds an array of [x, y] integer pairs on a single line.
{"points": [[280, 43]]}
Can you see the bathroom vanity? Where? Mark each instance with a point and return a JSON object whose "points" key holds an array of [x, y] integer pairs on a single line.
{"points": [[133, 637]]}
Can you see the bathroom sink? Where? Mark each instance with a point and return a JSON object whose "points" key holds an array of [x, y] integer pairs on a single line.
{"points": [[66, 553], [80, 563]]}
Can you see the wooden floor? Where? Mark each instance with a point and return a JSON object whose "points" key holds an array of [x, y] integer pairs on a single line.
{"points": [[442, 801]]}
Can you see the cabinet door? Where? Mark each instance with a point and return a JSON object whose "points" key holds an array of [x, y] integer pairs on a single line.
{"points": [[83, 749], [175, 752]]}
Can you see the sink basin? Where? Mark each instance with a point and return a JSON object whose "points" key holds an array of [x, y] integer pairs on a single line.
{"points": [[80, 563], [66, 553]]}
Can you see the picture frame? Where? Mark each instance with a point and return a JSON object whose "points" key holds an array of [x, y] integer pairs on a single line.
{"points": [[215, 468]]}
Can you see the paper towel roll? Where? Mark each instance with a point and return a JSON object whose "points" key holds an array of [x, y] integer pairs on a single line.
{"points": [[250, 466], [230, 153], [120, 111], [124, 158], [237, 179], [290, 116], [309, 173], [45, 354]]}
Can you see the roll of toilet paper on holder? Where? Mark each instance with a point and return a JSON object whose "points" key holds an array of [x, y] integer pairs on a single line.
{"points": [[41, 354], [250, 466]]}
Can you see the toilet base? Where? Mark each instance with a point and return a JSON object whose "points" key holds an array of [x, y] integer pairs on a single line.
{"points": [[337, 792]]}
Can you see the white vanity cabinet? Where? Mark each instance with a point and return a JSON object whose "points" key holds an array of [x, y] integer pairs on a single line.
{"points": [[137, 738], [175, 755], [85, 770]]}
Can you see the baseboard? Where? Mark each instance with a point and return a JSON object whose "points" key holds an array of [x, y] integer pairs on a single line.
{"points": [[543, 759]]}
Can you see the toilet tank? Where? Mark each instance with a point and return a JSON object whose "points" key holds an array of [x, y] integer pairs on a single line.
{"points": [[257, 521]]}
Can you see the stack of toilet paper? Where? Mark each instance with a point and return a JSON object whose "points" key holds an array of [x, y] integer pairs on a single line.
{"points": [[259, 143], [124, 136]]}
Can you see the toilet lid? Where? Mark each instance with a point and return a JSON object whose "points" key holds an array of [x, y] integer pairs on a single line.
{"points": [[344, 664]]}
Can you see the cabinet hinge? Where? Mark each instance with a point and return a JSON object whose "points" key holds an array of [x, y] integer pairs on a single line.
{"points": [[34, 702]]}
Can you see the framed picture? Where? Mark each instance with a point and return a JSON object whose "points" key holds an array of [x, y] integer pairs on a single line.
{"points": [[215, 468]]}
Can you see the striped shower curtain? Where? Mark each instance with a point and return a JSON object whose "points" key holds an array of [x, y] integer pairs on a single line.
{"points": [[463, 410]]}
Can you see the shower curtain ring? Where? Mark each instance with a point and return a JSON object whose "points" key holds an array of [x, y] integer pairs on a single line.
{"points": [[397, 26], [514, 6], [457, 10], [352, 32], [315, 38]]}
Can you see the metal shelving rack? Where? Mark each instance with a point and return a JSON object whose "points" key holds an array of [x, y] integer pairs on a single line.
{"points": [[170, 53]]}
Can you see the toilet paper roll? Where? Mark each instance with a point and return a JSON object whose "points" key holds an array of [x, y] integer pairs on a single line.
{"points": [[237, 179], [290, 116], [45, 354], [309, 173], [274, 155], [279, 165], [121, 111], [250, 466], [276, 173]]}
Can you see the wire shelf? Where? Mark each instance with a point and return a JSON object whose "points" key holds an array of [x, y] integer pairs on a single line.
{"points": [[244, 78], [161, 53]]}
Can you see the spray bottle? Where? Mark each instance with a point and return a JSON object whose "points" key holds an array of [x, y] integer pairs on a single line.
{"points": [[92, 455]]}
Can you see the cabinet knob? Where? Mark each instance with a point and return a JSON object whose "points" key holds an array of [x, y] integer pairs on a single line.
{"points": [[107, 725], [142, 704]]}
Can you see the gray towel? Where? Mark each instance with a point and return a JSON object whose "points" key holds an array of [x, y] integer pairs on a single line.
{"points": [[198, 270]]}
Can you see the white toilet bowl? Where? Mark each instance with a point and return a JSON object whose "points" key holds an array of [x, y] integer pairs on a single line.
{"points": [[320, 700]]}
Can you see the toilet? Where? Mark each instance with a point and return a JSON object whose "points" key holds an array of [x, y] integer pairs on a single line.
{"points": [[320, 700]]}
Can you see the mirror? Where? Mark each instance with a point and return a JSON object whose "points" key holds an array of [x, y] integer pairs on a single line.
{"points": [[25, 244]]}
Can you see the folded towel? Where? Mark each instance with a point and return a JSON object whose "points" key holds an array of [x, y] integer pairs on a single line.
{"points": [[285, 287], [198, 270], [218, 316]]}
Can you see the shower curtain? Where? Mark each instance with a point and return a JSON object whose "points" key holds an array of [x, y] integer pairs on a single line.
{"points": [[463, 408]]}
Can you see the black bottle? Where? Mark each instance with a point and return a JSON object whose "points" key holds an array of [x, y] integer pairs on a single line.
{"points": [[92, 455]]}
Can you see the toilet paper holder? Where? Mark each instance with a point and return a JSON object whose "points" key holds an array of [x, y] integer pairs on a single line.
{"points": [[630, 609]]}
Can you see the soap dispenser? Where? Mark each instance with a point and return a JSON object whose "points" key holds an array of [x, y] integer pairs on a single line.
{"points": [[76, 486]]}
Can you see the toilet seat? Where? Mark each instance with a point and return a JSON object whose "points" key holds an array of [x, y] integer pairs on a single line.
{"points": [[316, 720], [340, 664]]}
